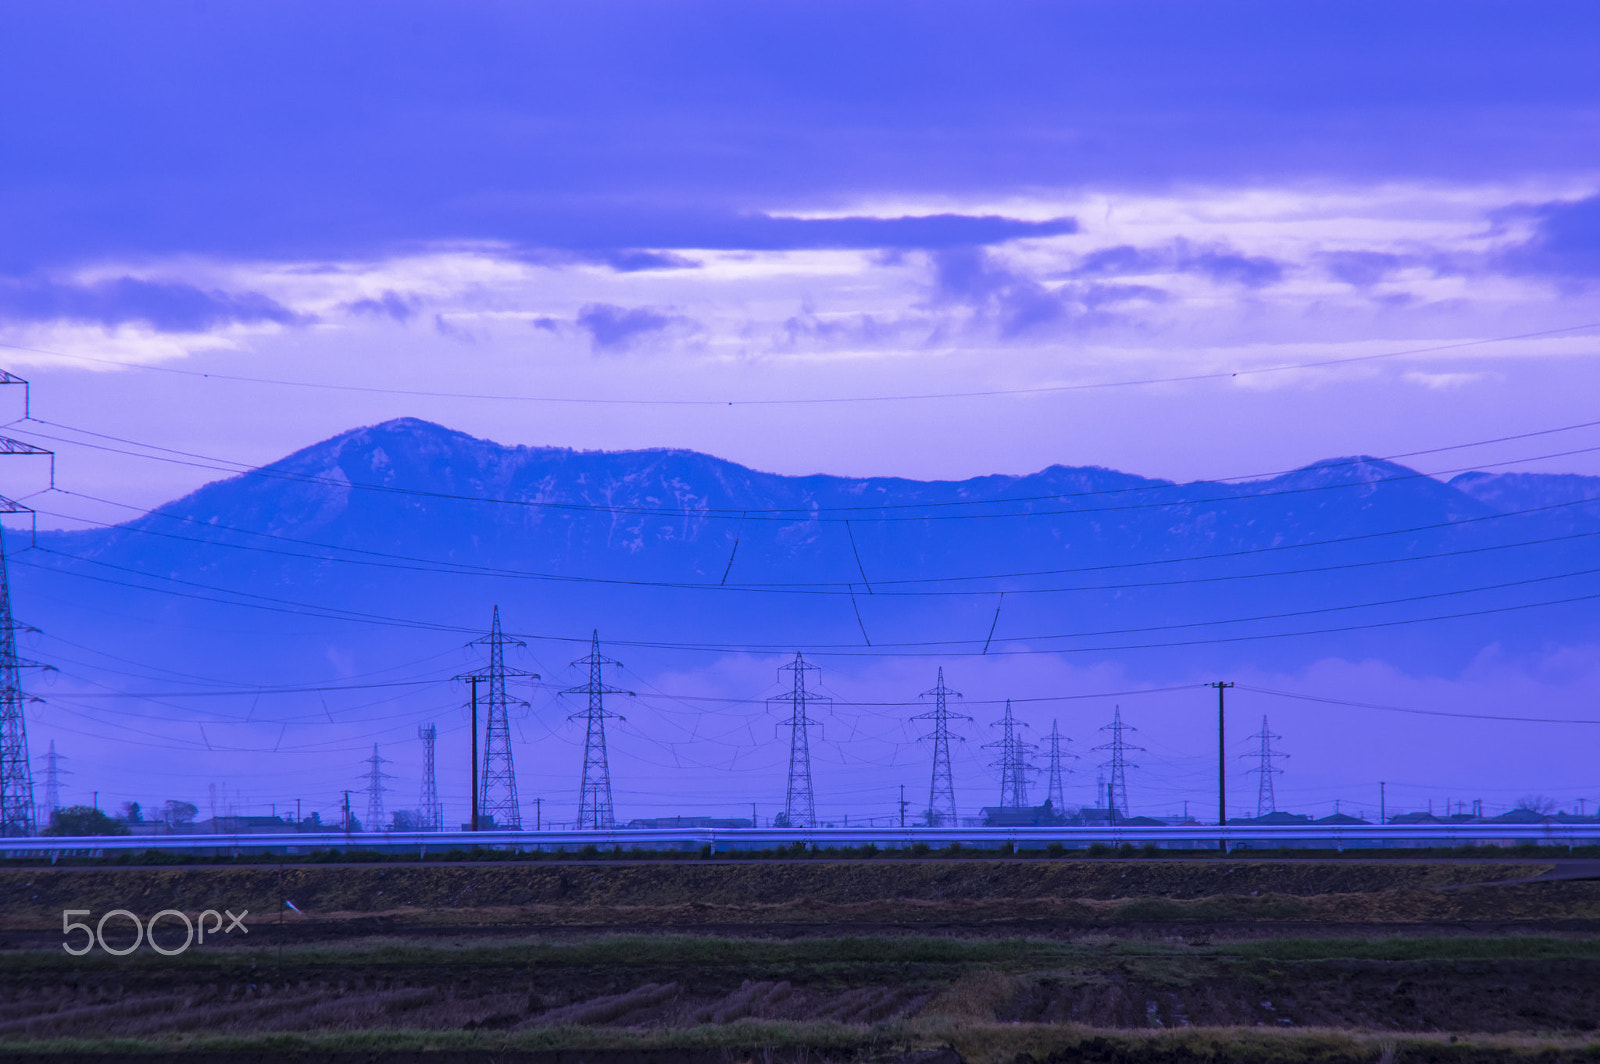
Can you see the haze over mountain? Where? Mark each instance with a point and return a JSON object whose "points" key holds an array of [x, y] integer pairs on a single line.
{"points": [[372, 557]]}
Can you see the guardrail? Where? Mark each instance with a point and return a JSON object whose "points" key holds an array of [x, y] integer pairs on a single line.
{"points": [[1328, 836]]}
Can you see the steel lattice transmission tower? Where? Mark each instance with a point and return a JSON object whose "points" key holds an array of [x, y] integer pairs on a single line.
{"points": [[1117, 789], [1014, 763], [52, 783], [800, 804], [1056, 792], [430, 809], [16, 773], [498, 788], [594, 792], [375, 789], [1266, 801], [942, 790]]}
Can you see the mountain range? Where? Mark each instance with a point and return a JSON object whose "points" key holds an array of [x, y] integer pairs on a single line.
{"points": [[397, 540]]}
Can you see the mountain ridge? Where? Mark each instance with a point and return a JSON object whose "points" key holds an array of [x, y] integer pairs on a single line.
{"points": [[1346, 557]]}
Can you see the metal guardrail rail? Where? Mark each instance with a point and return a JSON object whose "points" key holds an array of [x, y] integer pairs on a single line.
{"points": [[1329, 836]]}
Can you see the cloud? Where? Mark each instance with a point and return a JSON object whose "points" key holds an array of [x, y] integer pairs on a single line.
{"points": [[1018, 304], [389, 305], [634, 260], [614, 328], [1362, 269], [1216, 261], [1565, 243], [163, 306]]}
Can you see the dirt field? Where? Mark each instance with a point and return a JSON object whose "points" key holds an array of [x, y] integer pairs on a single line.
{"points": [[982, 961]]}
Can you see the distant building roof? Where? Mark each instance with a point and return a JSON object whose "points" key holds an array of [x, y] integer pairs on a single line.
{"points": [[1341, 818], [1029, 816], [1273, 818], [1523, 816], [689, 822]]}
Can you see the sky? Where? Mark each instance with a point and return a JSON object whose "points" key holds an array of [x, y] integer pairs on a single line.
{"points": [[922, 239]]}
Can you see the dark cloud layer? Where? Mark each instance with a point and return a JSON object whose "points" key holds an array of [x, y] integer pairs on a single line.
{"points": [[1216, 262], [614, 328], [162, 306], [1017, 304], [290, 128]]}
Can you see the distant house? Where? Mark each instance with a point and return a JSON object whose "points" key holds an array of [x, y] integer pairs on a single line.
{"points": [[667, 822], [1341, 818], [244, 825], [1273, 819], [1415, 818], [1022, 816]]}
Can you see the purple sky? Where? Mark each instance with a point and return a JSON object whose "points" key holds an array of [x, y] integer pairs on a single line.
{"points": [[783, 201]]}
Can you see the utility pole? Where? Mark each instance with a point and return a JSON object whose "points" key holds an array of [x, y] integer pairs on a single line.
{"points": [[800, 806], [942, 790], [1383, 803], [1266, 799], [1222, 762], [902, 805], [538, 814], [594, 792], [375, 789], [1117, 787], [432, 811], [473, 680], [346, 813], [17, 813], [1013, 764], [498, 792]]}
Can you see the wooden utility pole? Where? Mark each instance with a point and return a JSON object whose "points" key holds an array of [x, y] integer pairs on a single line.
{"points": [[473, 680], [1222, 763]]}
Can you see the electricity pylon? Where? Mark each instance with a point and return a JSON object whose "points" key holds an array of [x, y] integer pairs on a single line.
{"points": [[594, 794], [1057, 792], [52, 783], [16, 773], [499, 781], [800, 804], [375, 789], [1117, 791], [942, 790], [430, 809], [1014, 764], [1266, 801]]}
